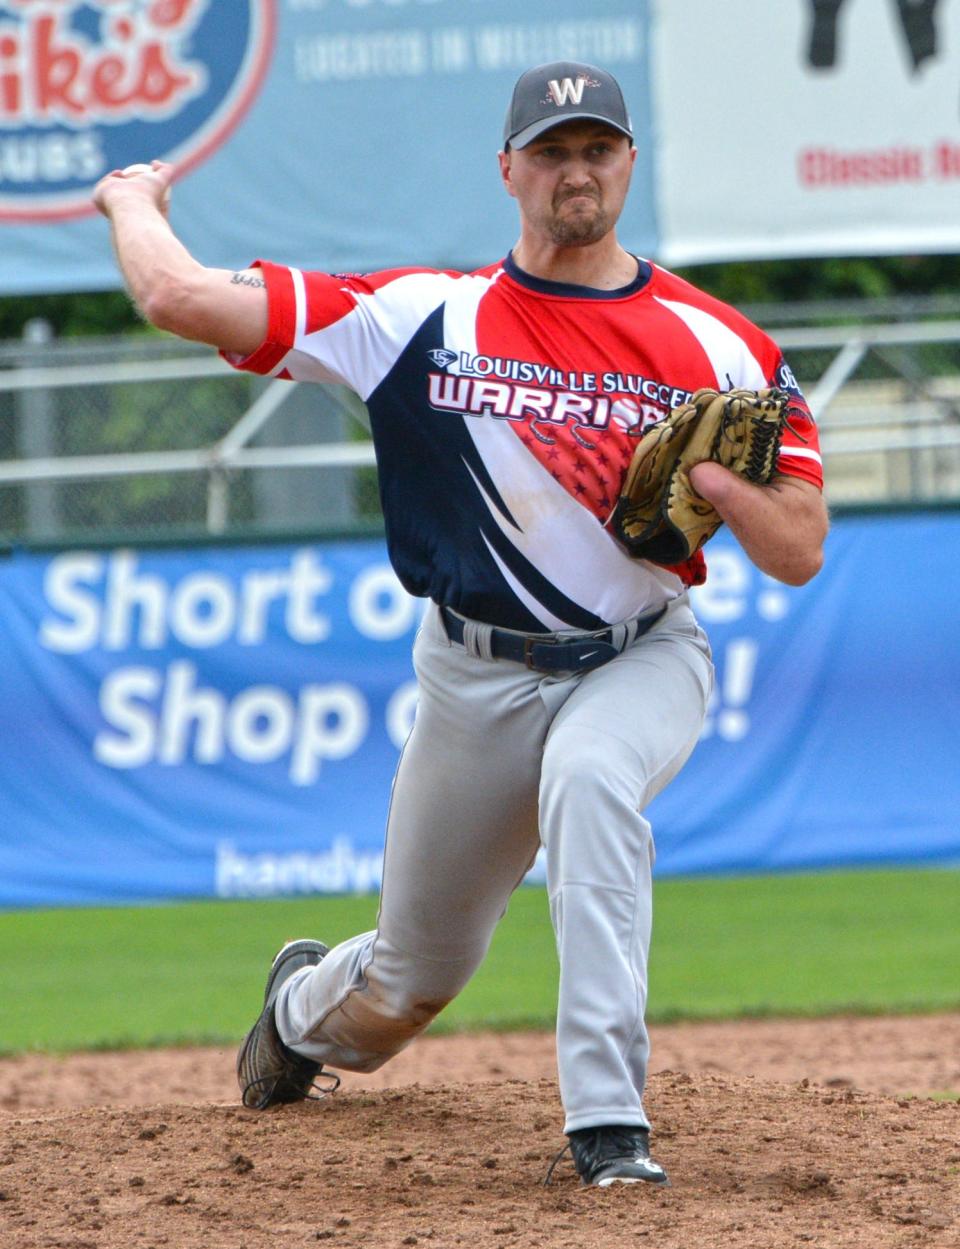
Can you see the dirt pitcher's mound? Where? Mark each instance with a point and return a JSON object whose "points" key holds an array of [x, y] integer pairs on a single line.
{"points": [[753, 1164], [94, 1155], [901, 1055]]}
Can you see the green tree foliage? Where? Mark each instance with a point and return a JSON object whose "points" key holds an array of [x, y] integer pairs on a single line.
{"points": [[89, 313], [838, 278], [737, 282]]}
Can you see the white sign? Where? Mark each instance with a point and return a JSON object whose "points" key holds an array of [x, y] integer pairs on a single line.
{"points": [[806, 129]]}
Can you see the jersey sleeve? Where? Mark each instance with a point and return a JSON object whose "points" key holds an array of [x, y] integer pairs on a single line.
{"points": [[344, 328], [741, 354], [800, 449]]}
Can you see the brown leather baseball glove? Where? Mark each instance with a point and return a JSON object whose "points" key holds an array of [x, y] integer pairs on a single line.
{"points": [[659, 516]]}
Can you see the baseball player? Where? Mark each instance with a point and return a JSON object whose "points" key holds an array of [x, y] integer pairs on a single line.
{"points": [[562, 683]]}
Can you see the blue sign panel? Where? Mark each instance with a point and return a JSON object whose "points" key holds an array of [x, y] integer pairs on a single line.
{"points": [[342, 134], [834, 736], [226, 721], [178, 715]]}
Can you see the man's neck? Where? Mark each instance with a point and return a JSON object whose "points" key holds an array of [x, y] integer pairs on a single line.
{"points": [[604, 266]]}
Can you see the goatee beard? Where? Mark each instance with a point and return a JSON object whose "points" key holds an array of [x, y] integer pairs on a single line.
{"points": [[579, 231]]}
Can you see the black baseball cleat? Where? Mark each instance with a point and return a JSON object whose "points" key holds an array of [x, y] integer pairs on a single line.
{"points": [[615, 1154], [268, 1072]]}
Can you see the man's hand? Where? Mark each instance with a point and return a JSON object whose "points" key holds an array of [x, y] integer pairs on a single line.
{"points": [[147, 185], [781, 526]]}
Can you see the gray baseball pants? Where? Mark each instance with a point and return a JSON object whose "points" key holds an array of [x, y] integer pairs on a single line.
{"points": [[501, 759]]}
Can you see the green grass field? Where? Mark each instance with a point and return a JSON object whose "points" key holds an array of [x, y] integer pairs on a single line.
{"points": [[866, 941]]}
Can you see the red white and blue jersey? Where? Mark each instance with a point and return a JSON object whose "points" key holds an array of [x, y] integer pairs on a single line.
{"points": [[504, 411]]}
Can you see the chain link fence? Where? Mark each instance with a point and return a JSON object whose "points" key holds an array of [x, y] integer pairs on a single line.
{"points": [[147, 437], [153, 438]]}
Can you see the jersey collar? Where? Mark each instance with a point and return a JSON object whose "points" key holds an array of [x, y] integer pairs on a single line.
{"points": [[569, 290]]}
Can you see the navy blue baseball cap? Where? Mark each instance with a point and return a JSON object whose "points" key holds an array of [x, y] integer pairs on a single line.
{"points": [[563, 91]]}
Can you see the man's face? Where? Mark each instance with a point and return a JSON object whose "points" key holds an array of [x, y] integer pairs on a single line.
{"points": [[570, 183]]}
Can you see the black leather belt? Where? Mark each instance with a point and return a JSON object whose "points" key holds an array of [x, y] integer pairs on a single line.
{"points": [[556, 652]]}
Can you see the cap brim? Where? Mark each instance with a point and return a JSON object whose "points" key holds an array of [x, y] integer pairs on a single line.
{"points": [[537, 128]]}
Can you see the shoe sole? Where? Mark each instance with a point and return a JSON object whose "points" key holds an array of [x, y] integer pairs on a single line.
{"points": [[633, 1179]]}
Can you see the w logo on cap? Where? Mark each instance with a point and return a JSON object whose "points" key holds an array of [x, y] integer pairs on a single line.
{"points": [[562, 91], [566, 89]]}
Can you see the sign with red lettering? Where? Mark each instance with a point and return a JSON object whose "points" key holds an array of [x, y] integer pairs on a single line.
{"points": [[303, 131], [87, 86], [855, 149]]}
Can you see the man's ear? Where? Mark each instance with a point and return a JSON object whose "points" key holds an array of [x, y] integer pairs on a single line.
{"points": [[506, 160]]}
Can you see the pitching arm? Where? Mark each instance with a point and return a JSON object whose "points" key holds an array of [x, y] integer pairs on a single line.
{"points": [[781, 526], [172, 290]]}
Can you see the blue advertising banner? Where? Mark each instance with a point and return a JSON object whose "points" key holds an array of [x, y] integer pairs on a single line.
{"points": [[330, 134], [226, 721], [362, 134]]}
